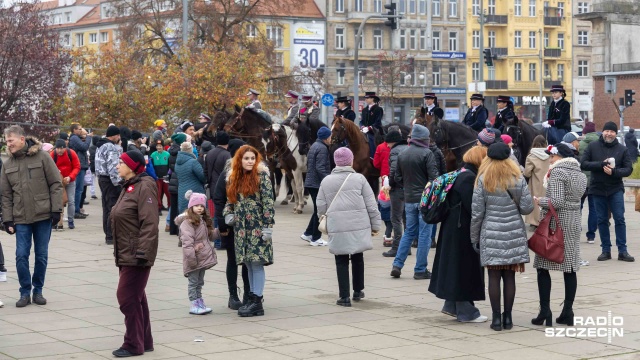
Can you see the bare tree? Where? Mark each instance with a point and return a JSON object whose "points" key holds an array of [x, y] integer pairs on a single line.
{"points": [[387, 74]]}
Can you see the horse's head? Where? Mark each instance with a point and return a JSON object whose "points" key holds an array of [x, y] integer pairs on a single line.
{"points": [[513, 129], [235, 122], [438, 133], [338, 130]]}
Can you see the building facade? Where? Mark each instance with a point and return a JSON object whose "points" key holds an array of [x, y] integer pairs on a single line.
{"points": [[425, 54], [583, 91], [517, 32]]}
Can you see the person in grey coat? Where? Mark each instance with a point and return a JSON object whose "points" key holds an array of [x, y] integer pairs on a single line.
{"points": [[318, 166], [498, 233], [397, 144], [351, 222], [565, 185]]}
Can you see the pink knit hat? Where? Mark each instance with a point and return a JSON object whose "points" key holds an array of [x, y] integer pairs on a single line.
{"points": [[196, 199], [47, 147], [343, 157]]}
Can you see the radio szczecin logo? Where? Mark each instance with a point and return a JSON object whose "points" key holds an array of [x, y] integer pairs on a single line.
{"points": [[591, 327]]}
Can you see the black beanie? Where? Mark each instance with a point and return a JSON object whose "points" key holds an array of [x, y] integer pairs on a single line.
{"points": [[206, 146], [610, 126], [499, 151], [113, 131], [125, 133], [222, 138], [393, 136], [234, 145], [60, 144], [135, 135]]}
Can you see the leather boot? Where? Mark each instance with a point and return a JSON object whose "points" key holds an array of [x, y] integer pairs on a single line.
{"points": [[496, 323], [254, 308], [507, 323], [544, 316], [234, 302], [394, 249], [566, 316]]}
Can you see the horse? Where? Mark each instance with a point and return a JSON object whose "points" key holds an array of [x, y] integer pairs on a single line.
{"points": [[249, 125], [219, 118], [344, 129], [454, 139], [404, 130], [522, 135], [424, 119]]}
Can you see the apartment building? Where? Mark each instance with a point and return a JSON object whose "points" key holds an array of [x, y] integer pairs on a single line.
{"points": [[583, 91]]}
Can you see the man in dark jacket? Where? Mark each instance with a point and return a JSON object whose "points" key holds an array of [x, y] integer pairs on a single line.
{"points": [[631, 143], [107, 160], [31, 190], [79, 141], [416, 167], [318, 167], [609, 162], [396, 193], [216, 160]]}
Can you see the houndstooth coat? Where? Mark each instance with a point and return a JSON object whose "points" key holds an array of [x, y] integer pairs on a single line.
{"points": [[565, 186]]}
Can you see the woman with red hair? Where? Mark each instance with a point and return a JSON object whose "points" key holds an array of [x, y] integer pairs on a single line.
{"points": [[250, 211]]}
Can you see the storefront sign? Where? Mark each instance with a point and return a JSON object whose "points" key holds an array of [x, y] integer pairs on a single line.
{"points": [[448, 55], [533, 100], [452, 114], [457, 91]]}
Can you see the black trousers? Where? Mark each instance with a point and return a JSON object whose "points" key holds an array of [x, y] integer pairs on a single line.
{"points": [[1, 257], [357, 270], [173, 214], [312, 228], [110, 194], [232, 268]]}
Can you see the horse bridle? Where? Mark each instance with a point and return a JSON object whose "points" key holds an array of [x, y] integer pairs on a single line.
{"points": [[336, 139], [229, 126]]}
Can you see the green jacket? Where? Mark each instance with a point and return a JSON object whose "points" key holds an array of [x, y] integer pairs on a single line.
{"points": [[31, 185], [588, 139]]}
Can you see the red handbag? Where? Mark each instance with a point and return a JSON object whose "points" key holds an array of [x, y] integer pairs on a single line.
{"points": [[548, 242]]}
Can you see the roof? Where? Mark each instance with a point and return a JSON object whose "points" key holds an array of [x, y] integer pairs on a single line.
{"points": [[618, 73]]}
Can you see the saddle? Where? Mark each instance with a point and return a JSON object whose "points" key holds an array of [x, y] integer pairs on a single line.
{"points": [[265, 115]]}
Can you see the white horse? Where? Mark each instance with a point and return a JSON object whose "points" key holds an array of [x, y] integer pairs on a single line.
{"points": [[297, 182]]}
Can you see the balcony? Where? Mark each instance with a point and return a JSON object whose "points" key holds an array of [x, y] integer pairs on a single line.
{"points": [[497, 85], [552, 53], [499, 52], [553, 16], [496, 20]]}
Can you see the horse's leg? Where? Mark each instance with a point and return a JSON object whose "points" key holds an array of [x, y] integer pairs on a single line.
{"points": [[278, 175], [298, 191], [289, 194]]}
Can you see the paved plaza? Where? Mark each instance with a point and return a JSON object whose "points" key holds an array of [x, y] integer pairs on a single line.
{"points": [[398, 319]]}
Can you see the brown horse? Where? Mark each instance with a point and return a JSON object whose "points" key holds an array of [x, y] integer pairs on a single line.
{"points": [[248, 125], [346, 130]]}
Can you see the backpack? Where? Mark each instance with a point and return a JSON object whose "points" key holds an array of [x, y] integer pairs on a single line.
{"points": [[433, 205]]}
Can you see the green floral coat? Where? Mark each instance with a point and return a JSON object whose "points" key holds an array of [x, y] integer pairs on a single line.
{"points": [[253, 213]]}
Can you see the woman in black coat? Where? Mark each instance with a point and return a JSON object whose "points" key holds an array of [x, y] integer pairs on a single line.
{"points": [[631, 143], [457, 275]]}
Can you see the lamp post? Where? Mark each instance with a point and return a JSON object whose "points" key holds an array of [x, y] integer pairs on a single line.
{"points": [[407, 78]]}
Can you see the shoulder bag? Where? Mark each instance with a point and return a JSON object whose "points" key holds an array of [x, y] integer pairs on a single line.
{"points": [[548, 242], [322, 226]]}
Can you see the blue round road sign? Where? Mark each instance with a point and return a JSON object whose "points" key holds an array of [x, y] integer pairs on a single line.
{"points": [[327, 100]]}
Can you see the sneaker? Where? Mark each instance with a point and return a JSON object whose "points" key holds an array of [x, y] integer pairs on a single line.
{"points": [[387, 242], [38, 299], [344, 302], [3, 276], [624, 256], [85, 202], [591, 241], [318, 242], [203, 306], [94, 197], [24, 301], [80, 216], [195, 308], [584, 263], [422, 275], [167, 228], [358, 295], [306, 238], [123, 353], [396, 272], [1, 304], [71, 226], [108, 242], [604, 256], [65, 219], [479, 319]]}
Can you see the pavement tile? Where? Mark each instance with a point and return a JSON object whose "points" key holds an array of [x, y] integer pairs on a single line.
{"points": [[478, 344], [373, 342], [419, 352], [586, 349], [215, 345], [332, 332], [311, 349], [528, 354], [274, 338], [44, 349], [82, 333], [250, 354]]}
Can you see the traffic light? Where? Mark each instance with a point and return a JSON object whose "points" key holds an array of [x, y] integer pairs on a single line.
{"points": [[392, 22], [628, 97], [488, 58]]}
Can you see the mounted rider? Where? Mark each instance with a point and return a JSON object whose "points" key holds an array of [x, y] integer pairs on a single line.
{"points": [[558, 122], [294, 108], [505, 112], [371, 119], [430, 106], [253, 98], [308, 112], [477, 115], [344, 108]]}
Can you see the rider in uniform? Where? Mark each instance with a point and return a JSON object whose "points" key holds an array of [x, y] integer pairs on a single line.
{"points": [[371, 119], [431, 107], [294, 108], [559, 116], [505, 112], [253, 97], [344, 108], [477, 115]]}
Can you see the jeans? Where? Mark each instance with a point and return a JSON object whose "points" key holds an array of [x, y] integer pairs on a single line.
{"points": [[357, 271], [255, 271], [416, 228], [40, 232], [132, 300], [463, 310], [196, 282], [110, 194], [79, 188], [168, 214], [71, 200], [615, 204], [397, 208], [592, 220], [312, 228]]}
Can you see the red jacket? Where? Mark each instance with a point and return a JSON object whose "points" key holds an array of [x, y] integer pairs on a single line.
{"points": [[68, 167], [381, 159]]}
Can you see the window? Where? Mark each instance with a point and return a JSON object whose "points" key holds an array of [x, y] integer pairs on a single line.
{"points": [[339, 38], [377, 39], [546, 40], [402, 6], [66, 40], [532, 39], [67, 17], [560, 9], [517, 71], [476, 39], [561, 41], [453, 41], [377, 6], [583, 37], [436, 7], [251, 30], [56, 19], [360, 77], [435, 39], [412, 39], [475, 7], [583, 7], [560, 71], [475, 71], [547, 71], [583, 68], [80, 39], [453, 76], [274, 33], [517, 7], [93, 38], [340, 76], [518, 39], [403, 39], [436, 75], [104, 37], [339, 6], [492, 73], [412, 6], [453, 8], [492, 7], [358, 5], [422, 5], [423, 39], [278, 59], [532, 7], [492, 39], [532, 72]]}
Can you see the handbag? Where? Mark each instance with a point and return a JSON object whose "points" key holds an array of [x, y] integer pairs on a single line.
{"points": [[322, 226], [88, 178], [548, 242]]}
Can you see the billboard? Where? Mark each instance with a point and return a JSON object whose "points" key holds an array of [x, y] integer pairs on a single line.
{"points": [[308, 45]]}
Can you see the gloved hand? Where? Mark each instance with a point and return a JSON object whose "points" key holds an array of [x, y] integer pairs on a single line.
{"points": [[267, 234], [10, 227], [546, 124], [230, 219], [365, 129], [55, 218]]}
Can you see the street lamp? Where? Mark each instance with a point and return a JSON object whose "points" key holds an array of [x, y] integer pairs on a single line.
{"points": [[407, 78], [422, 77]]}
